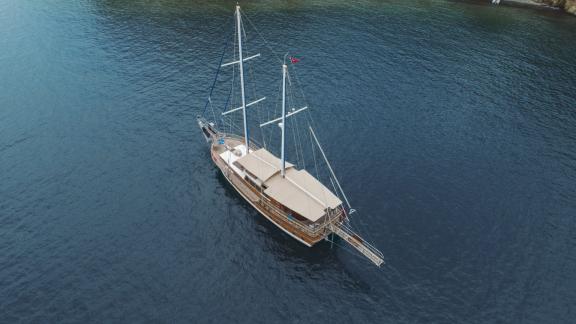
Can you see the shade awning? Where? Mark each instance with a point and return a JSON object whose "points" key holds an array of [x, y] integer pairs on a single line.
{"points": [[302, 193], [261, 164]]}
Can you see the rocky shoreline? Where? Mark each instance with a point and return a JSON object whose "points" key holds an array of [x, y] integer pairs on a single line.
{"points": [[567, 5]]}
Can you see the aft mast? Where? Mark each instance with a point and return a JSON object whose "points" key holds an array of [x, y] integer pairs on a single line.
{"points": [[282, 119], [283, 124], [241, 63]]}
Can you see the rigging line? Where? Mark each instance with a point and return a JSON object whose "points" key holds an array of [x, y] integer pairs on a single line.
{"points": [[298, 140], [228, 100], [233, 85], [262, 37], [216, 77], [257, 108], [212, 109], [243, 29], [316, 166], [251, 72], [333, 186], [293, 121], [229, 95], [348, 249], [253, 88], [339, 193], [361, 228], [308, 113], [290, 103], [299, 145], [324, 193], [314, 156], [274, 112]]}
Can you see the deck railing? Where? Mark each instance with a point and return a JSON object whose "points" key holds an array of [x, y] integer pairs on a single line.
{"points": [[310, 229]]}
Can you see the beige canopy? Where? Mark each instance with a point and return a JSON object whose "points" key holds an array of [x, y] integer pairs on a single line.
{"points": [[302, 193], [262, 164], [298, 190]]}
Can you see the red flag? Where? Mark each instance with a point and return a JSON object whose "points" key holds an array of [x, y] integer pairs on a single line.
{"points": [[294, 60]]}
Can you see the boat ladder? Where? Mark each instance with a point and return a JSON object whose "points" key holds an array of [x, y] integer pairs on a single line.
{"points": [[358, 243]]}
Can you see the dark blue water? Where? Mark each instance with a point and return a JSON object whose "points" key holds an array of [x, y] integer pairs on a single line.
{"points": [[452, 127]]}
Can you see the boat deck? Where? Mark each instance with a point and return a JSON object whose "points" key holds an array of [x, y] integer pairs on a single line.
{"points": [[306, 232]]}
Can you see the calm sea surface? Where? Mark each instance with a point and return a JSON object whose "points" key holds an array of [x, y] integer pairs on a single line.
{"points": [[452, 127]]}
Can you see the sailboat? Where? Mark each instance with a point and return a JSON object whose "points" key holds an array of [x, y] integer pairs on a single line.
{"points": [[288, 196]]}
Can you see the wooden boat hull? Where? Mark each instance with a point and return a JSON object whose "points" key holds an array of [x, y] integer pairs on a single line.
{"points": [[255, 198]]}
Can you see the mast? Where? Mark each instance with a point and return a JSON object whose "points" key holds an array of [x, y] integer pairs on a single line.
{"points": [[282, 118], [241, 62], [283, 124]]}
